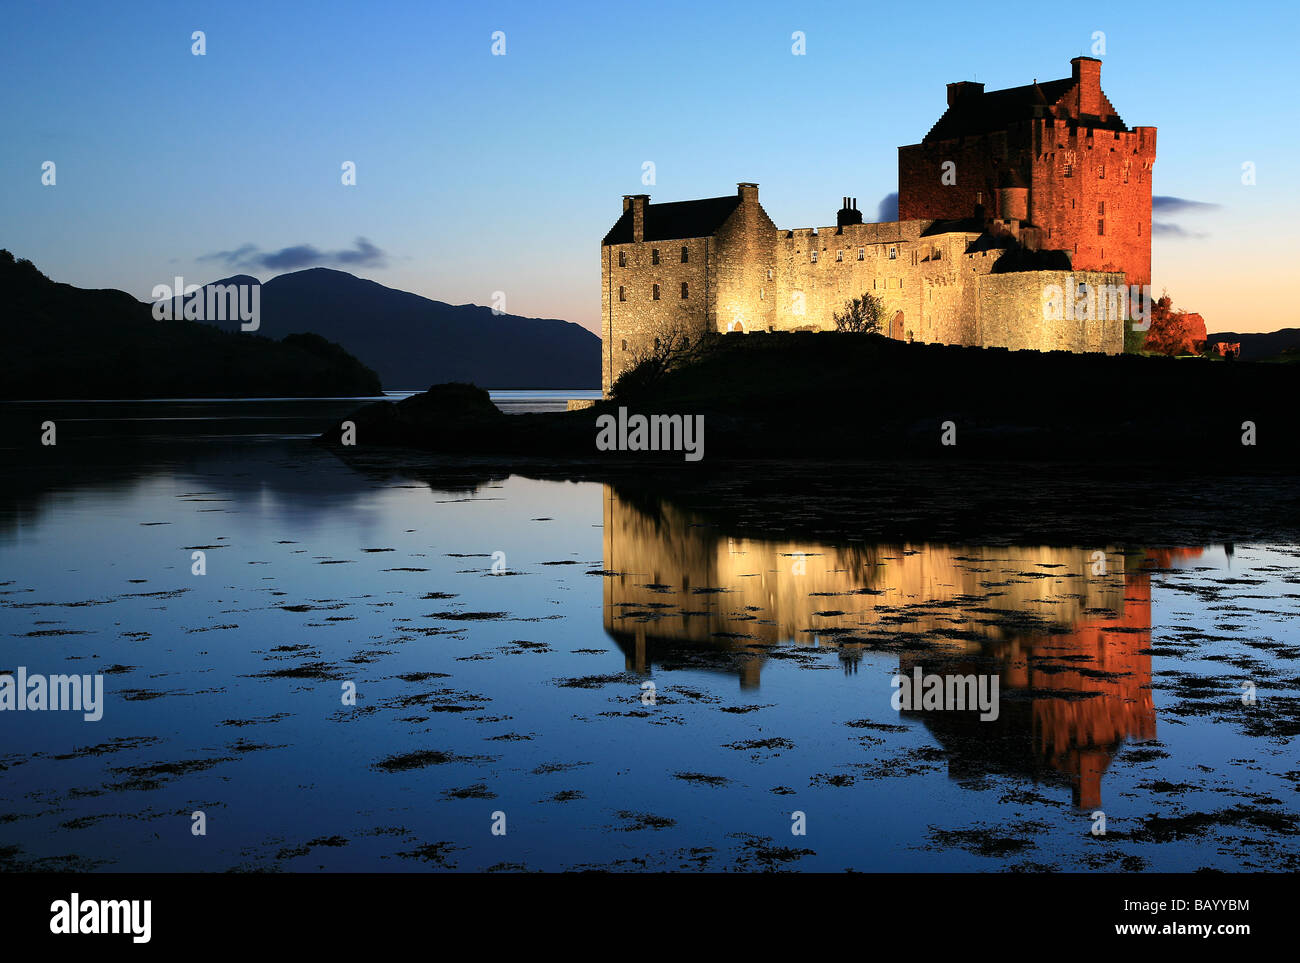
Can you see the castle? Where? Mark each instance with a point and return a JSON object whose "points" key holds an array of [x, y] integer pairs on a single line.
{"points": [[1011, 194]]}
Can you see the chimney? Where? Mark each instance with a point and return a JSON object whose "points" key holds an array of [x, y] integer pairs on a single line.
{"points": [[849, 213], [637, 202], [748, 192], [962, 89], [1086, 73]]}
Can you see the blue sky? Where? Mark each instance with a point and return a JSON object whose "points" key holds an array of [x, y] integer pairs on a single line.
{"points": [[479, 173]]}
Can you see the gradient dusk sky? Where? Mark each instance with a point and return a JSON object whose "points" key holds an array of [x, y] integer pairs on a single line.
{"points": [[479, 173]]}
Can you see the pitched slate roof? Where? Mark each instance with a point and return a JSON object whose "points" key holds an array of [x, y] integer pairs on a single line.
{"points": [[982, 113], [676, 220]]}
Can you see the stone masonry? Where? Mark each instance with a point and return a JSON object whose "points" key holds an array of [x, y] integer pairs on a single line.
{"points": [[1013, 193]]}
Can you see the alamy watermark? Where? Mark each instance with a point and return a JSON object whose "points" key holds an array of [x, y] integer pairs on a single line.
{"points": [[1098, 302], [651, 433], [35, 692], [951, 693], [216, 302]]}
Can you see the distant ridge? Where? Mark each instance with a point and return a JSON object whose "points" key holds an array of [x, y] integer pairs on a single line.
{"points": [[413, 342], [67, 342], [1259, 346]]}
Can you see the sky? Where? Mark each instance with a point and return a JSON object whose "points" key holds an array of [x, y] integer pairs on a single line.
{"points": [[478, 173]]}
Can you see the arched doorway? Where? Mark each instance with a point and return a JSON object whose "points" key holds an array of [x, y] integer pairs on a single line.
{"points": [[736, 326], [896, 329]]}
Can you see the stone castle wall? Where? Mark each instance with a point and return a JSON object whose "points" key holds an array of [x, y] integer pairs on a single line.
{"points": [[752, 277]]}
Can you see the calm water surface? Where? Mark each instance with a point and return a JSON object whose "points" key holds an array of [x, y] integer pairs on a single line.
{"points": [[522, 691]]}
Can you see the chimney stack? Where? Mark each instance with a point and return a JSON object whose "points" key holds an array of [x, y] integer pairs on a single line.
{"points": [[962, 89], [637, 202], [1086, 73], [849, 213], [748, 192]]}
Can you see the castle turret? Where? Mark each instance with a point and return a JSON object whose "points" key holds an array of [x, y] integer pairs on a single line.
{"points": [[1013, 197]]}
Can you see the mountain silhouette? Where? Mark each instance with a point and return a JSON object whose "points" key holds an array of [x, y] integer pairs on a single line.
{"points": [[67, 342], [1259, 345], [413, 342]]}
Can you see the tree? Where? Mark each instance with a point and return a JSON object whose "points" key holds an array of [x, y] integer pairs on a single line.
{"points": [[653, 358], [860, 315], [1173, 331]]}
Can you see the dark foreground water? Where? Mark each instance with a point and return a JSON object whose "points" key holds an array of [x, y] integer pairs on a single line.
{"points": [[500, 634]]}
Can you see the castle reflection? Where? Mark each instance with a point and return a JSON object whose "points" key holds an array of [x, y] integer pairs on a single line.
{"points": [[1067, 631]]}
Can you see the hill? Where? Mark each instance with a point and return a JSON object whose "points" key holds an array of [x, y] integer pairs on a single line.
{"points": [[1260, 346], [67, 342], [412, 341]]}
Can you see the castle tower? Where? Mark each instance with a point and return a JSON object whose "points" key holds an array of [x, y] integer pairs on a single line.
{"points": [[1054, 155]]}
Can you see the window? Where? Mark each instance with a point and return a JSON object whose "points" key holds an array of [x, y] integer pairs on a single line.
{"points": [[862, 254], [1069, 170], [685, 293], [1101, 227], [655, 296], [769, 274], [686, 255], [622, 258], [622, 293], [625, 344], [656, 344], [893, 253], [1139, 228], [654, 255], [1101, 208], [814, 257], [839, 255], [761, 295], [1101, 172]]}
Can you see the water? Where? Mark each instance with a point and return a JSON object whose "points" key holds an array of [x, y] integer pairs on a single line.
{"points": [[521, 694]]}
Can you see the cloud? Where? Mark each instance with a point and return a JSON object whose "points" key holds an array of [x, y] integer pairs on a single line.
{"points": [[1170, 229], [250, 257], [888, 210], [1165, 204]]}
